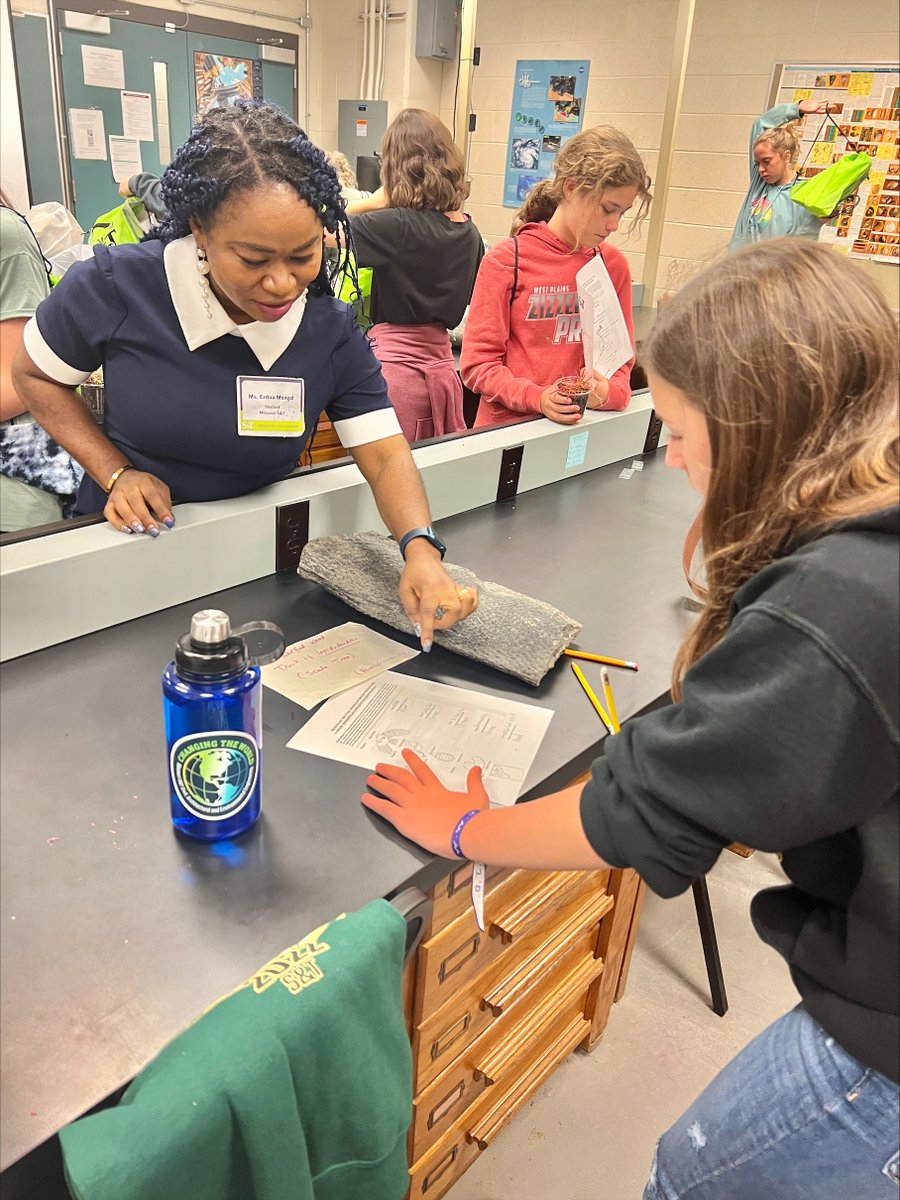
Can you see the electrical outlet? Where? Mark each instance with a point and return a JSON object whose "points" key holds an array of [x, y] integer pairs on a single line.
{"points": [[510, 466], [291, 534], [654, 429]]}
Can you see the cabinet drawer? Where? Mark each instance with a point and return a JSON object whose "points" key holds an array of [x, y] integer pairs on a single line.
{"points": [[451, 958], [432, 1176], [453, 895], [435, 1175], [444, 1035], [486, 1119], [495, 1056]]}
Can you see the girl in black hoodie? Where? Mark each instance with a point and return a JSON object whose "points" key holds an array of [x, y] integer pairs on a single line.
{"points": [[776, 372]]}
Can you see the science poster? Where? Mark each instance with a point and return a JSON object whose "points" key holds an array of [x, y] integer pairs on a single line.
{"points": [[547, 109], [221, 79], [865, 104]]}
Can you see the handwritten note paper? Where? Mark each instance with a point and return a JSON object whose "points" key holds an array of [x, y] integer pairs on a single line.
{"points": [[607, 343], [331, 662], [452, 728], [577, 449]]}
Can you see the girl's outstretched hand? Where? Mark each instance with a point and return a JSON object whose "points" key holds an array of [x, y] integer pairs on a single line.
{"points": [[418, 805]]}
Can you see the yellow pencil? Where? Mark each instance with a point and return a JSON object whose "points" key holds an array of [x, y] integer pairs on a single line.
{"points": [[590, 695], [610, 701], [601, 658]]}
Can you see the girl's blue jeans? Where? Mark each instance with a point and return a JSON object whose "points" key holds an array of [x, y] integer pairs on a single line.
{"points": [[792, 1117]]}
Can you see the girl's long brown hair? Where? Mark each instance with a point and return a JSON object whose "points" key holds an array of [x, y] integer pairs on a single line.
{"points": [[790, 352], [421, 165], [593, 160]]}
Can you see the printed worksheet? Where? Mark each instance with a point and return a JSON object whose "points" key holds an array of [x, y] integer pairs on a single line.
{"points": [[607, 343], [452, 728], [124, 157], [88, 136], [137, 116], [103, 66], [318, 667]]}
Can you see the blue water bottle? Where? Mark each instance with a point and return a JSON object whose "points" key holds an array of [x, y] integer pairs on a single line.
{"points": [[212, 701]]}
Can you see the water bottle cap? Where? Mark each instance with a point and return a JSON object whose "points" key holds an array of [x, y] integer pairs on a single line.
{"points": [[210, 626]]}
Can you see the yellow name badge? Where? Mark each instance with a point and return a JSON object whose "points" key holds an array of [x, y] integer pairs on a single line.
{"points": [[268, 406]]}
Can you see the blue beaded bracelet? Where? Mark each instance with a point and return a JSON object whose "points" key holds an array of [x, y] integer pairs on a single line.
{"points": [[460, 826]]}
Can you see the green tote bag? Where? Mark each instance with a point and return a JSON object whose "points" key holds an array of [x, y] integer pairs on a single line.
{"points": [[823, 193]]}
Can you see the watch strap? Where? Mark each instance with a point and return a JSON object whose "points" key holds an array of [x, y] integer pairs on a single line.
{"points": [[421, 531]]}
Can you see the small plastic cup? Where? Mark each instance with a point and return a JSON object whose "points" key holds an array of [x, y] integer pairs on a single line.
{"points": [[574, 388]]}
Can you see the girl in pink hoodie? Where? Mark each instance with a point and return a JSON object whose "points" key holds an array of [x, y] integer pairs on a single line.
{"points": [[524, 330]]}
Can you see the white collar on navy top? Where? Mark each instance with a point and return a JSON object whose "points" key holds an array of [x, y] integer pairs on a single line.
{"points": [[267, 339]]}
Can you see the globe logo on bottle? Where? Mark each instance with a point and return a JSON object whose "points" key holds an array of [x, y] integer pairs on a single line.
{"points": [[214, 774], [212, 703]]}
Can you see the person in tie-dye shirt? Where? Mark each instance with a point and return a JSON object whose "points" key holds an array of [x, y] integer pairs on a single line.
{"points": [[768, 210]]}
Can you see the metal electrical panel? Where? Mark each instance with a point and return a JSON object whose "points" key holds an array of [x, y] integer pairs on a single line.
{"points": [[437, 28], [361, 126]]}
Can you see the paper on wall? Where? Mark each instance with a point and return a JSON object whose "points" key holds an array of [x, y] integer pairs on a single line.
{"points": [[452, 728], [103, 66], [607, 343], [88, 133], [318, 667], [137, 116], [125, 157]]}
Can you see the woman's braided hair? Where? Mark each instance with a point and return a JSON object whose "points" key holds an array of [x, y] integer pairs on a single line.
{"points": [[235, 149]]}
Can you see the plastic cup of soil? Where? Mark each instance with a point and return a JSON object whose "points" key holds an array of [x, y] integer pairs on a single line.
{"points": [[574, 388]]}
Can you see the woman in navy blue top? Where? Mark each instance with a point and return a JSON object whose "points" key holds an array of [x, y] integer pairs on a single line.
{"points": [[221, 345]]}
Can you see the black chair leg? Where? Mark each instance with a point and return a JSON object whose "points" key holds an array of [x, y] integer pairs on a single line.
{"points": [[710, 946]]}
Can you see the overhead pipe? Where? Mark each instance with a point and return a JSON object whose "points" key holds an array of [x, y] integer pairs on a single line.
{"points": [[382, 30], [365, 53]]}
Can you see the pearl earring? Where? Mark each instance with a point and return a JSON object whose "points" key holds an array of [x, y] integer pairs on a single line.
{"points": [[203, 269]]}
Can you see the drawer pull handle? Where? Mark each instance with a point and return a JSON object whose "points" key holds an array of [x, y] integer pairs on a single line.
{"points": [[459, 957], [531, 907], [444, 1106], [492, 1121], [441, 1169], [502, 996], [449, 1037], [496, 1060], [459, 878]]}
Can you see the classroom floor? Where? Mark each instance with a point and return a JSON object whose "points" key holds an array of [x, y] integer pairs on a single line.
{"points": [[590, 1131]]}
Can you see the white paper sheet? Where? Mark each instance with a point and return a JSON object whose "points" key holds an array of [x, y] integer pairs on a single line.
{"points": [[103, 67], [452, 728], [607, 345], [125, 157], [340, 658], [137, 116], [88, 133]]}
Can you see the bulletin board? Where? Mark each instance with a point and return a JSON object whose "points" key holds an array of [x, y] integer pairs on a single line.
{"points": [[94, 114], [867, 223], [547, 109]]}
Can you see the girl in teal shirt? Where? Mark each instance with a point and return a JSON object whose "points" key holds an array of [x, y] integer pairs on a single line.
{"points": [[768, 210]]}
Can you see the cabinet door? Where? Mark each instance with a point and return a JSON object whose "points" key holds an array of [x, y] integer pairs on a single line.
{"points": [[141, 45]]}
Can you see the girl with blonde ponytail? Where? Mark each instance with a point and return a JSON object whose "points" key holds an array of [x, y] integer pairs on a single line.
{"points": [[768, 210], [524, 329]]}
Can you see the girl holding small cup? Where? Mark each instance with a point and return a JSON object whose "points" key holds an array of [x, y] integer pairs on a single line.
{"points": [[524, 329]]}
